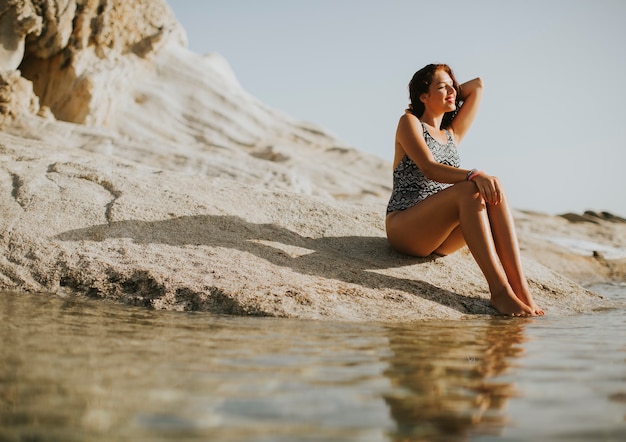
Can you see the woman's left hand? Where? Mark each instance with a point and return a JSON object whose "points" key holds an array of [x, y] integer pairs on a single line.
{"points": [[489, 188]]}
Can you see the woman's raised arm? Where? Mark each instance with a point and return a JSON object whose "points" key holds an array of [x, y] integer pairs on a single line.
{"points": [[470, 93]]}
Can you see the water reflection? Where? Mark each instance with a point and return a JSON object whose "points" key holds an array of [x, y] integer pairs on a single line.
{"points": [[443, 374], [72, 369]]}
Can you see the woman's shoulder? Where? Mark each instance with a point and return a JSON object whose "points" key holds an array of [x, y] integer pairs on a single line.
{"points": [[408, 119]]}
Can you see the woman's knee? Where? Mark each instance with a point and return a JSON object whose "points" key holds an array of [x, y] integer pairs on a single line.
{"points": [[468, 194]]}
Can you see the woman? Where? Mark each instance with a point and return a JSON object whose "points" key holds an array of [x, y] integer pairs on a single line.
{"points": [[437, 207]]}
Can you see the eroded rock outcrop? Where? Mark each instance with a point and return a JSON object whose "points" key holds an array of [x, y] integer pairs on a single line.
{"points": [[18, 19], [16, 97], [81, 55]]}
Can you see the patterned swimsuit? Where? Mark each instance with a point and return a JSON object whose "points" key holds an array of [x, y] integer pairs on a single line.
{"points": [[410, 186]]}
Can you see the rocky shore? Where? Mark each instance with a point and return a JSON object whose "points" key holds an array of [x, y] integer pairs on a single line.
{"points": [[135, 170]]}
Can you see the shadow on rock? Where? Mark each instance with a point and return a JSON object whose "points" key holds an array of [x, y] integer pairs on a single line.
{"points": [[352, 259]]}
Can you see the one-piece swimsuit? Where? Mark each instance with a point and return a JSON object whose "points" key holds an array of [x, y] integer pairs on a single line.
{"points": [[410, 186]]}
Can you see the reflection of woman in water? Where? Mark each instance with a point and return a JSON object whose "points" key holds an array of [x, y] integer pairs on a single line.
{"points": [[437, 207], [445, 378]]}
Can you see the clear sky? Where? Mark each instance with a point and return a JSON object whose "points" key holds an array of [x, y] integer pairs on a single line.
{"points": [[552, 121]]}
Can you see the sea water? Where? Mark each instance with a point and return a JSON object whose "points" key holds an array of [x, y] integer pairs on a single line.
{"points": [[73, 369]]}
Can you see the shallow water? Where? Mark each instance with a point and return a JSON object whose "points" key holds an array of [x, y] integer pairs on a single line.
{"points": [[73, 369]]}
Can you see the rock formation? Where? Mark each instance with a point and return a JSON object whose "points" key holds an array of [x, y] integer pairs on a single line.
{"points": [[78, 54], [133, 169]]}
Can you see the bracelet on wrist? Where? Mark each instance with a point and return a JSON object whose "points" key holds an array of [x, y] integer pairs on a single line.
{"points": [[475, 174], [470, 173]]}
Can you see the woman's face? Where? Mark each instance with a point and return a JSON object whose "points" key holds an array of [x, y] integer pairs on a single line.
{"points": [[441, 96]]}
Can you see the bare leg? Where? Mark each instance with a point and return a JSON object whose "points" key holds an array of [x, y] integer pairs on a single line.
{"points": [[433, 225], [507, 247]]}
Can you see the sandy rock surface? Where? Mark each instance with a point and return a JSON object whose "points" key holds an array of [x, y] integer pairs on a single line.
{"points": [[132, 169]]}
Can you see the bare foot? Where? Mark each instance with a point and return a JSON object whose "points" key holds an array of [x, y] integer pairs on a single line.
{"points": [[508, 304], [527, 299]]}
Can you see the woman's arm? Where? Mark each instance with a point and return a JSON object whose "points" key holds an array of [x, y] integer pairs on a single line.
{"points": [[470, 93], [410, 135]]}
